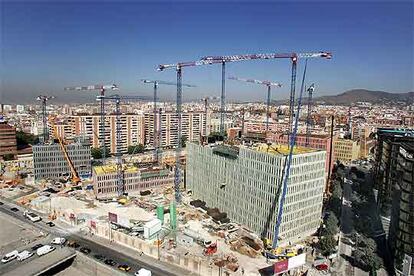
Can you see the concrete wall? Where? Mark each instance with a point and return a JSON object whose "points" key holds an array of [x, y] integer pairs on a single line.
{"points": [[194, 264]]}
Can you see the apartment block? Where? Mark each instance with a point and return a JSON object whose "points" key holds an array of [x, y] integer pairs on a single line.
{"points": [[246, 183], [214, 125], [132, 129], [321, 142], [49, 161], [135, 179], [8, 144], [192, 123], [346, 150]]}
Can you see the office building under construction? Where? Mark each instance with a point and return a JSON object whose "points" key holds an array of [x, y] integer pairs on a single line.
{"points": [[246, 183], [49, 161]]}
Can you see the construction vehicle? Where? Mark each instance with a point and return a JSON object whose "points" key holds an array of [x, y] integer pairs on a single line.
{"points": [[210, 249], [74, 174]]}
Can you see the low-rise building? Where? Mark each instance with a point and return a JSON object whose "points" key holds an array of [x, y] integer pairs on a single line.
{"points": [[135, 179], [346, 150], [49, 161]]}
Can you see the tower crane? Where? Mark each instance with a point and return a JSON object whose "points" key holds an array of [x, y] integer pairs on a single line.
{"points": [[209, 60], [44, 99], [292, 142], [206, 100], [292, 56], [269, 84], [102, 89], [156, 139], [117, 99], [309, 122]]}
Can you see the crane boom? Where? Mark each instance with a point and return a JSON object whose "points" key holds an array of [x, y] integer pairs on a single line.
{"points": [[157, 82], [75, 176], [264, 82], [233, 58]]}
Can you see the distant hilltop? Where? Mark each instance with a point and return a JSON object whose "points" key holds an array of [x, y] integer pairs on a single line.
{"points": [[363, 95]]}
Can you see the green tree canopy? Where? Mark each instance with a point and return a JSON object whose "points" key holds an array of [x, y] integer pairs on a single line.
{"points": [[327, 245], [23, 138], [136, 149], [97, 153]]}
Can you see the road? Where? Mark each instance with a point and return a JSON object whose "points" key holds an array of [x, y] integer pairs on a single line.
{"points": [[109, 253]]}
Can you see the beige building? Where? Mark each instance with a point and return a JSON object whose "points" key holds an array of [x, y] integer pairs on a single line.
{"points": [[135, 179], [193, 126], [346, 150], [132, 129]]}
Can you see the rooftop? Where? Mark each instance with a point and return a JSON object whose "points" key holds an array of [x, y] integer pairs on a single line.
{"points": [[280, 149], [145, 172]]}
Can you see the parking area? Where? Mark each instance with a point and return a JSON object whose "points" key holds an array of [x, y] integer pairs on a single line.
{"points": [[14, 234]]}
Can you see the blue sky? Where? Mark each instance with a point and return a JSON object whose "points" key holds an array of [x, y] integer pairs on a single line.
{"points": [[46, 46]]}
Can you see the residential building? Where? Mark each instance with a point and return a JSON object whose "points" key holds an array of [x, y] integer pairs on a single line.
{"points": [[132, 129], [346, 150], [246, 183], [316, 141], [8, 144], [215, 124], [192, 125], [49, 160], [135, 179]]}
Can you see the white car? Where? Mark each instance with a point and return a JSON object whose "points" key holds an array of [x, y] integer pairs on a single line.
{"points": [[32, 216], [10, 256], [143, 272], [45, 249], [24, 255], [58, 241]]}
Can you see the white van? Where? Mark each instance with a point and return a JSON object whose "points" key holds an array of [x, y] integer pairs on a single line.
{"points": [[32, 216], [143, 272], [10, 256], [24, 255], [58, 241], [45, 249]]}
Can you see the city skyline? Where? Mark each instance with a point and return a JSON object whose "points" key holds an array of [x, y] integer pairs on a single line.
{"points": [[48, 46]]}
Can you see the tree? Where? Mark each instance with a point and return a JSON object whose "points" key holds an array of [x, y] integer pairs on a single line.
{"points": [[23, 138], [8, 157], [331, 225], [327, 245], [96, 153], [367, 243], [183, 141], [136, 149], [367, 259]]}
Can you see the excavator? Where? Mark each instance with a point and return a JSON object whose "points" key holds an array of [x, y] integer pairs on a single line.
{"points": [[75, 177]]}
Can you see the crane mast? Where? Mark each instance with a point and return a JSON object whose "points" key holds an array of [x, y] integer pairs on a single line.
{"points": [[102, 89], [309, 122], [44, 100], [118, 154], [156, 130], [266, 83]]}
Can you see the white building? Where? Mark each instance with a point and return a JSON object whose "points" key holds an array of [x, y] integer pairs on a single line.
{"points": [[244, 183]]}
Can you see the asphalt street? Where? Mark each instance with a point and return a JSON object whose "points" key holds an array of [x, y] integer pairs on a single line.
{"points": [[96, 249]]}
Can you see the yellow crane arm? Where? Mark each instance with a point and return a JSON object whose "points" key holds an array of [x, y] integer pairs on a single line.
{"points": [[75, 176]]}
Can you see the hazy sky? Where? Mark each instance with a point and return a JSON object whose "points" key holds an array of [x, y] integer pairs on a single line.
{"points": [[46, 46]]}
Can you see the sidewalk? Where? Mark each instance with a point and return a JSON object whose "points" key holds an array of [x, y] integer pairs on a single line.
{"points": [[129, 251]]}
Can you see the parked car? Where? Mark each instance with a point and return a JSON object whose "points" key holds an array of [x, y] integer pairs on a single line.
{"points": [[99, 257], [124, 267], [143, 272], [14, 209], [110, 262], [58, 241], [85, 250], [26, 254], [50, 223], [37, 246], [10, 256], [1, 203], [44, 250], [32, 216]]}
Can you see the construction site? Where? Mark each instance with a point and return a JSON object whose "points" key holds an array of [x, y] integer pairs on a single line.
{"points": [[239, 207]]}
